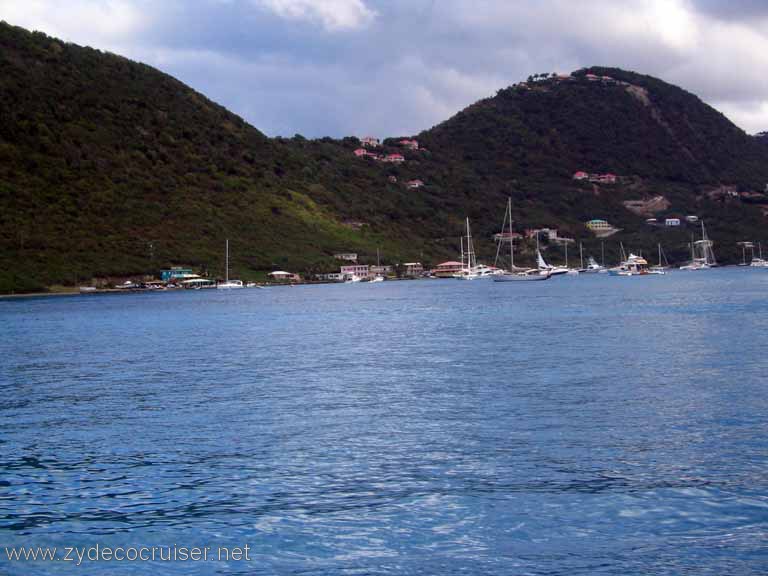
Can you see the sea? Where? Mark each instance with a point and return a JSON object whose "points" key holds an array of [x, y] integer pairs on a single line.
{"points": [[583, 425]]}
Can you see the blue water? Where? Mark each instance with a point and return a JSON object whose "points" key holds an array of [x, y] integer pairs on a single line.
{"points": [[587, 425]]}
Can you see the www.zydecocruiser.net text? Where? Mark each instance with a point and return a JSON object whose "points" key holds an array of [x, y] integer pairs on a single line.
{"points": [[78, 555]]}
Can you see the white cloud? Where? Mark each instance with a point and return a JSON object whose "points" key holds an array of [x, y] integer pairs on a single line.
{"points": [[419, 61], [333, 15], [99, 23]]}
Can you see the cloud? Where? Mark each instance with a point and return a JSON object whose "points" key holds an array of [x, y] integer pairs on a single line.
{"points": [[95, 22], [333, 15], [338, 67]]}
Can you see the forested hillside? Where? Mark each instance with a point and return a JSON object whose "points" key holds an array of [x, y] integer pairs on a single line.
{"points": [[110, 167]]}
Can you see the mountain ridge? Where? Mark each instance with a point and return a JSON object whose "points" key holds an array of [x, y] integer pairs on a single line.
{"points": [[110, 167]]}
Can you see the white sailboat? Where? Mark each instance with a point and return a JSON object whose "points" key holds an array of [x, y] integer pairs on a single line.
{"points": [[469, 269], [706, 260], [542, 264], [514, 274], [659, 269], [377, 277], [759, 262], [228, 284]]}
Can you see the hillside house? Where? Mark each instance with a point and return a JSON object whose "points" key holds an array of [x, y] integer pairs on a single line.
{"points": [[671, 222], [392, 179], [410, 144], [348, 256], [394, 158], [413, 184], [370, 142], [598, 225], [360, 152], [507, 236], [580, 175]]}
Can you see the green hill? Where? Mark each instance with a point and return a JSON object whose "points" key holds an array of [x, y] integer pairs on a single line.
{"points": [[109, 167]]}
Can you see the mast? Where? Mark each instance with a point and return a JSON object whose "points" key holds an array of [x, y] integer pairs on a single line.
{"points": [[470, 248], [659, 254], [462, 251], [566, 254], [511, 241], [581, 254]]}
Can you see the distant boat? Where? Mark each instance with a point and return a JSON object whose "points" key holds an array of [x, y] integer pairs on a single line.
{"points": [[705, 258], [659, 269], [469, 269], [514, 274], [759, 262], [377, 277], [542, 264], [228, 284], [593, 267], [633, 265]]}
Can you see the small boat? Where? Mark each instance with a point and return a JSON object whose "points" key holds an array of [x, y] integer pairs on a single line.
{"points": [[659, 269], [759, 262], [352, 279], [228, 284], [377, 278], [548, 268], [87, 289], [593, 267]]}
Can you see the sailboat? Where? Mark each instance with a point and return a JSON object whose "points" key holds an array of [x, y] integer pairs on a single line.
{"points": [[228, 284], [469, 268], [707, 258], [542, 264], [660, 269], [377, 277], [572, 271], [514, 274], [759, 262]]}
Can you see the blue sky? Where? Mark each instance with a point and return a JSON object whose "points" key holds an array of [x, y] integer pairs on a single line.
{"points": [[358, 67]]}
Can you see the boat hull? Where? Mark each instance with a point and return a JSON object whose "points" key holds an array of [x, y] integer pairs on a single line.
{"points": [[521, 277]]}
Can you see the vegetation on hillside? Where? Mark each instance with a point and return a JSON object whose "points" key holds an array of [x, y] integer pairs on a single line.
{"points": [[110, 167]]}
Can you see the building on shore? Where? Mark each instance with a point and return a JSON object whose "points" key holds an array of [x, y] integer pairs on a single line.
{"points": [[447, 269], [413, 269]]}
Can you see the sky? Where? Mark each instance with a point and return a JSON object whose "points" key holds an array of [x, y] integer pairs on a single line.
{"points": [[396, 67]]}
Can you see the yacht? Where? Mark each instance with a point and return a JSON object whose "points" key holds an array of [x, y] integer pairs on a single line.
{"points": [[593, 267], [633, 266]]}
